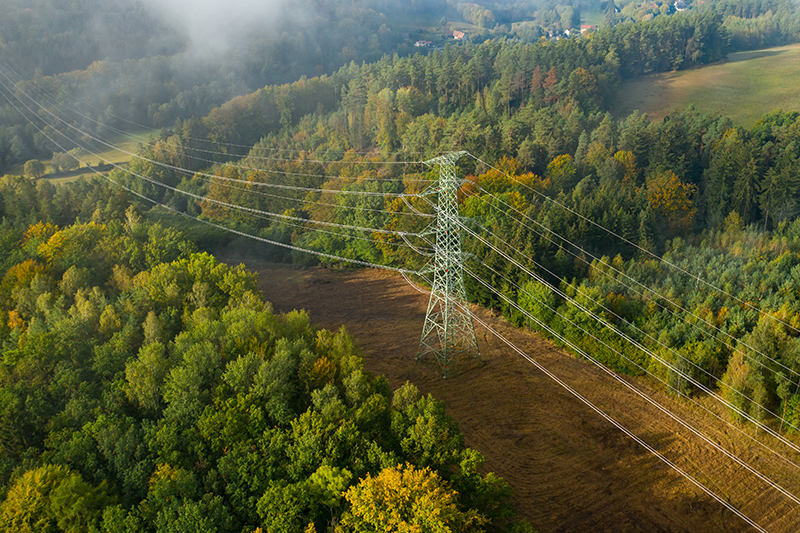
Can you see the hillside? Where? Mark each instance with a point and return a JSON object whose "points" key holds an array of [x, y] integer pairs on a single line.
{"points": [[744, 87], [653, 265]]}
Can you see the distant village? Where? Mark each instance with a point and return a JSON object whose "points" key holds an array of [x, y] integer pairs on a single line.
{"points": [[460, 35], [457, 35]]}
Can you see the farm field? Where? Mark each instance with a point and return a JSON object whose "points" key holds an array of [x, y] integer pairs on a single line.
{"points": [[745, 87], [571, 470]]}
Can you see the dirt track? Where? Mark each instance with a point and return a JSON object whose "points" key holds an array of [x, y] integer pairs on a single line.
{"points": [[570, 469]]}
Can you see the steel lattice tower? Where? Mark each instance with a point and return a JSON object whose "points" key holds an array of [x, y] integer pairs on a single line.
{"points": [[448, 331]]}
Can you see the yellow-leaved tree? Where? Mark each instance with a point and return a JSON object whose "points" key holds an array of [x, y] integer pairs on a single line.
{"points": [[52, 498], [671, 199], [407, 499]]}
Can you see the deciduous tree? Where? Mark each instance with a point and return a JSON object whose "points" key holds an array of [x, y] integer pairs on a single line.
{"points": [[405, 498]]}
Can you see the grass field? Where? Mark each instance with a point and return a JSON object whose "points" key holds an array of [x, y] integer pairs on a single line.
{"points": [[125, 145], [744, 87]]}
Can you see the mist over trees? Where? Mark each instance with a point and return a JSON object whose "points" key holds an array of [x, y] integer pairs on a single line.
{"points": [[127, 64]]}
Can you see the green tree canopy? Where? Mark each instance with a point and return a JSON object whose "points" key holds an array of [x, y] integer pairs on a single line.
{"points": [[34, 168], [52, 498]]}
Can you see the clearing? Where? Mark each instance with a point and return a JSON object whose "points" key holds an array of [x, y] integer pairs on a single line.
{"points": [[744, 87], [126, 145], [570, 469]]}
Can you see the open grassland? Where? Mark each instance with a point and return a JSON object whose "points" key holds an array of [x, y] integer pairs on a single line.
{"points": [[125, 145], [592, 17], [466, 27], [745, 87]]}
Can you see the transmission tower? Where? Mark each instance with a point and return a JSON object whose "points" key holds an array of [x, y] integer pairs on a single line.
{"points": [[448, 331]]}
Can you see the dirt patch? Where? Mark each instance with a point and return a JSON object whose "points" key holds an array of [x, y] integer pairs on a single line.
{"points": [[570, 469]]}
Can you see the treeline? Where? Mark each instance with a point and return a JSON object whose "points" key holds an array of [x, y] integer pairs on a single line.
{"points": [[495, 84], [148, 387], [758, 24]]}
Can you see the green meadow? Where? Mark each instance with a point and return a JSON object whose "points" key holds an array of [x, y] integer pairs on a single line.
{"points": [[744, 87], [125, 147]]}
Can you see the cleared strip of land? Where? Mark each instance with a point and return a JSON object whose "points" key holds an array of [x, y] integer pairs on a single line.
{"points": [[571, 470], [745, 87]]}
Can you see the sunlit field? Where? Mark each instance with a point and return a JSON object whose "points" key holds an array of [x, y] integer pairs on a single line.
{"points": [[744, 87], [125, 146]]}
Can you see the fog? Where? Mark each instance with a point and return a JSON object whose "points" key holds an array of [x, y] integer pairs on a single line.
{"points": [[212, 27]]}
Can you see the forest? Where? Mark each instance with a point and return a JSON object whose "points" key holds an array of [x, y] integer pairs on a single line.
{"points": [[151, 73], [713, 199], [145, 386]]}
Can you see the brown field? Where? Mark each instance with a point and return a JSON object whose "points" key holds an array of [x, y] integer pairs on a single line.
{"points": [[571, 470]]}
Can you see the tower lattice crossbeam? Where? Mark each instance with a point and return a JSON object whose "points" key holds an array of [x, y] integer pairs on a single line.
{"points": [[448, 332]]}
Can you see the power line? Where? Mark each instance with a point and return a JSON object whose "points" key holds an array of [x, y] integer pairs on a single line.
{"points": [[213, 176], [227, 154], [225, 204], [701, 369], [647, 289], [345, 235], [276, 243], [635, 343], [231, 230], [641, 395], [613, 421], [642, 368], [641, 249], [305, 200], [249, 147], [642, 294], [652, 354], [284, 217]]}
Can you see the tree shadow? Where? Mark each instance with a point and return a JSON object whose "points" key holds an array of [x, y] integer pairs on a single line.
{"points": [[756, 54]]}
